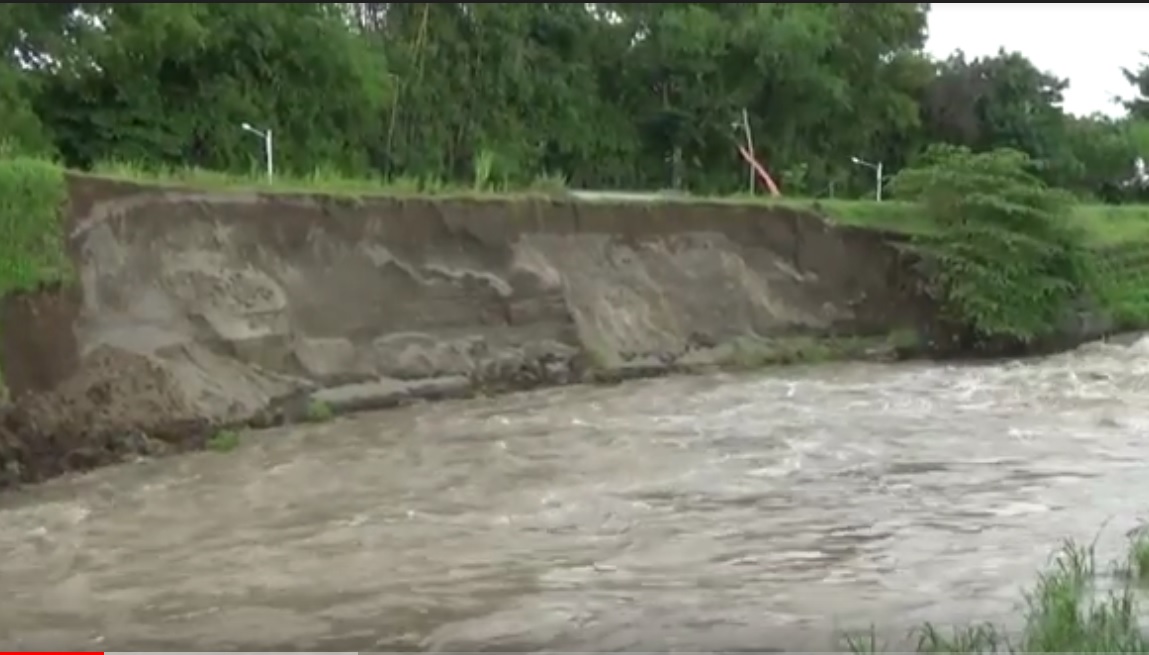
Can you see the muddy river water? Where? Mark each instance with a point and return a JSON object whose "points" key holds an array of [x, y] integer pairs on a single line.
{"points": [[759, 511]]}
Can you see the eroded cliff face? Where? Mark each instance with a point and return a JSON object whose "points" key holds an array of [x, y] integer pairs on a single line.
{"points": [[196, 309]]}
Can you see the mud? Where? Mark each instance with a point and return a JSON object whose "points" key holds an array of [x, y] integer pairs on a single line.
{"points": [[193, 311]]}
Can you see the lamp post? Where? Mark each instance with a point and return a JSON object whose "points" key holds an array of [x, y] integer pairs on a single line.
{"points": [[267, 147], [877, 168]]}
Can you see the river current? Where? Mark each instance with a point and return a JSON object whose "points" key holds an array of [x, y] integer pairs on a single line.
{"points": [[772, 510]]}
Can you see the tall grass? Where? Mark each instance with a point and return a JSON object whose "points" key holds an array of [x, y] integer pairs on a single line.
{"points": [[32, 198], [1068, 610], [1104, 225], [329, 181]]}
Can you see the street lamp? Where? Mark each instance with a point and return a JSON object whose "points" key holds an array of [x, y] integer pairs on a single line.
{"points": [[267, 151], [877, 175]]}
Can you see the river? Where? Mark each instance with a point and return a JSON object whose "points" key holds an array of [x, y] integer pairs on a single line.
{"points": [[759, 511]]}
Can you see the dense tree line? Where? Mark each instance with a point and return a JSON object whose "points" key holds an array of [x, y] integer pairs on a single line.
{"points": [[608, 95]]}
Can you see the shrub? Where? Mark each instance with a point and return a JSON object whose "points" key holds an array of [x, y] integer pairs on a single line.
{"points": [[1005, 261]]}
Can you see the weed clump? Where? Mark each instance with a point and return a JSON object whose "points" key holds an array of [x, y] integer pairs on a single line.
{"points": [[223, 441], [319, 411]]}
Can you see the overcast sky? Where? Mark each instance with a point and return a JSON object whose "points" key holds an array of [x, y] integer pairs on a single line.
{"points": [[1086, 43]]}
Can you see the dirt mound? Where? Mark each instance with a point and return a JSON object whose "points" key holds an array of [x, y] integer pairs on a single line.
{"points": [[82, 423]]}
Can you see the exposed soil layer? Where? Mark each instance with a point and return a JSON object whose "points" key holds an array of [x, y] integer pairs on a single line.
{"points": [[194, 310]]}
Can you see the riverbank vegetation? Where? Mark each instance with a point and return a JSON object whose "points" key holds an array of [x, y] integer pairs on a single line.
{"points": [[478, 99], [1005, 259], [602, 96], [1074, 607], [1101, 224], [32, 197]]}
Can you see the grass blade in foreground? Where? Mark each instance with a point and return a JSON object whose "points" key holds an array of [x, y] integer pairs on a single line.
{"points": [[1065, 612]]}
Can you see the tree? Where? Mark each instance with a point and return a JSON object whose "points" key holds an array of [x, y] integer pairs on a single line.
{"points": [[605, 95], [995, 102], [170, 84], [1100, 155], [1005, 262], [1138, 78]]}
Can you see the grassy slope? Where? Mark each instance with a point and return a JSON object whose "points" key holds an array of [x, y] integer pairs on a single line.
{"points": [[1106, 225]]}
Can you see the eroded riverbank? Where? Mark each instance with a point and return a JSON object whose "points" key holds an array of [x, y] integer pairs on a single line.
{"points": [[761, 511], [171, 313]]}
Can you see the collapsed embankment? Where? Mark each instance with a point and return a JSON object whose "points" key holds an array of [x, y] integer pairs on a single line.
{"points": [[191, 310]]}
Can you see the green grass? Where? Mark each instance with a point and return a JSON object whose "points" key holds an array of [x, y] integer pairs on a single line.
{"points": [[1068, 610], [1104, 224], [1107, 225], [32, 196], [322, 181]]}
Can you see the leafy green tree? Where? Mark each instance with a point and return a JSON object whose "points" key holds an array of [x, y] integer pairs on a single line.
{"points": [[21, 132], [1100, 154], [605, 95], [1138, 105], [996, 102], [170, 84], [1005, 262]]}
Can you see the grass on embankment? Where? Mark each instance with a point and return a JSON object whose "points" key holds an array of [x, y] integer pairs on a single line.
{"points": [[1071, 609], [32, 254], [1120, 233], [1104, 224], [321, 181], [32, 197]]}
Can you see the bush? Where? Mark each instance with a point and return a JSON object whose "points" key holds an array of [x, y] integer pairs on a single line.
{"points": [[1005, 261]]}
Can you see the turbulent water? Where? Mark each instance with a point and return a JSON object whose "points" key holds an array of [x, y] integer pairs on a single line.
{"points": [[762, 511]]}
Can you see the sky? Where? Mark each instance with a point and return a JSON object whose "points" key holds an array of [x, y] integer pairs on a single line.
{"points": [[1086, 43]]}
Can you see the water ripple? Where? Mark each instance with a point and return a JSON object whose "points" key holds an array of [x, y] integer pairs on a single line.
{"points": [[708, 513]]}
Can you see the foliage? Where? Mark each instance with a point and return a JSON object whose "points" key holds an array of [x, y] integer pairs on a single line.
{"points": [[1138, 78], [32, 194], [1006, 259], [605, 95], [996, 102], [442, 97], [172, 84]]}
